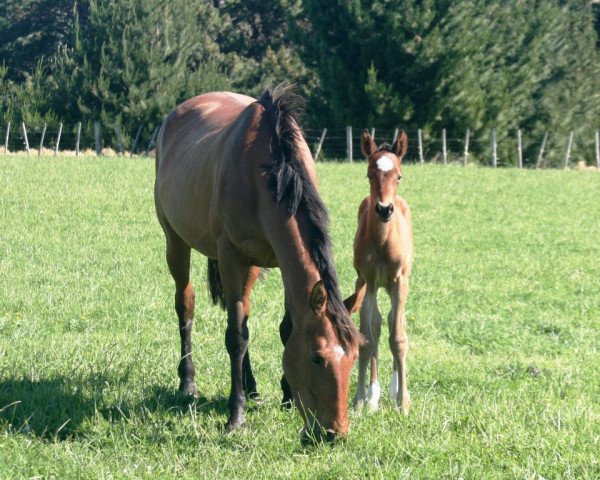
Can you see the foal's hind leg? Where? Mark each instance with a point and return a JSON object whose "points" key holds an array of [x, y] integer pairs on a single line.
{"points": [[178, 259], [370, 327], [399, 343]]}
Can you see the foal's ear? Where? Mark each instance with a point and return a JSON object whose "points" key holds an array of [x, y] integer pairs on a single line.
{"points": [[367, 145], [318, 297], [400, 145]]}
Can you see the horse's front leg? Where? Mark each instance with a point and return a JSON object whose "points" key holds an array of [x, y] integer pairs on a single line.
{"points": [[285, 330], [235, 277], [398, 341]]}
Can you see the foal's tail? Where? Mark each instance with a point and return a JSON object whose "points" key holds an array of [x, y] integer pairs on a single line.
{"points": [[354, 301], [215, 287]]}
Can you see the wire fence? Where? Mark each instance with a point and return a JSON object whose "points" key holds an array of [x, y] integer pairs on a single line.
{"points": [[339, 144]]}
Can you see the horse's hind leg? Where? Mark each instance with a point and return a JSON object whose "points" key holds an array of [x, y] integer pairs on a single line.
{"points": [[370, 327], [399, 343], [178, 259]]}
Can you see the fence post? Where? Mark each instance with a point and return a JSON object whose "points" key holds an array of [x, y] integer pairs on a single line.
{"points": [[25, 137], [42, 140], [137, 136], [120, 139], [373, 133], [444, 152], [321, 140], [97, 138], [466, 157], [151, 141], [541, 154], [494, 151], [349, 143], [6, 137], [420, 137], [598, 149], [568, 154], [519, 148], [78, 139], [58, 139]]}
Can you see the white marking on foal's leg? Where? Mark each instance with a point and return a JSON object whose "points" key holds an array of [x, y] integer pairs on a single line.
{"points": [[373, 395], [394, 386]]}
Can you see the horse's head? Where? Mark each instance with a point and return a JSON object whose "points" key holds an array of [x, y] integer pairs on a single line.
{"points": [[384, 172], [317, 367]]}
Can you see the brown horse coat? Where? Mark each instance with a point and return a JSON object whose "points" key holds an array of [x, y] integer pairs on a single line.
{"points": [[235, 181]]}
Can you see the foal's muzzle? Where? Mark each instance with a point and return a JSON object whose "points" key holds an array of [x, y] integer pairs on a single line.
{"points": [[384, 212]]}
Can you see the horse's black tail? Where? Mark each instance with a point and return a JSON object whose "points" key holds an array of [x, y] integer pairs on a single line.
{"points": [[215, 287]]}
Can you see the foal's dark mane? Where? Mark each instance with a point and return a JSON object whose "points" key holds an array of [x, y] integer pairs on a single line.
{"points": [[291, 187]]}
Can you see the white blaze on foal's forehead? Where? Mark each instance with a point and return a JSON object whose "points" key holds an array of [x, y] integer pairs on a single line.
{"points": [[385, 163], [339, 352]]}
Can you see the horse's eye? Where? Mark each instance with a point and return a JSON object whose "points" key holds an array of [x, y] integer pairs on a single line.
{"points": [[316, 359]]}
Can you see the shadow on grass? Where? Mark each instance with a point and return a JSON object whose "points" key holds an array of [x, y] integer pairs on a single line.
{"points": [[56, 409]]}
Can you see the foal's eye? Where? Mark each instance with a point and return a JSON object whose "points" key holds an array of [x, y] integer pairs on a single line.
{"points": [[316, 359]]}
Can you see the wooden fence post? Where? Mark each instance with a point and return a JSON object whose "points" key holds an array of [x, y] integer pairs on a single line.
{"points": [[97, 138], [444, 152], [541, 154], [6, 137], [25, 137], [420, 137], [494, 146], [78, 139], [120, 139], [519, 148], [349, 143], [598, 149], [466, 157], [321, 140], [373, 133], [57, 146], [42, 140], [135, 142], [396, 131], [568, 154], [151, 143]]}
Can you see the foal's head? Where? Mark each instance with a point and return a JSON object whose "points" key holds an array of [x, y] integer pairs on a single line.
{"points": [[317, 365], [384, 172]]}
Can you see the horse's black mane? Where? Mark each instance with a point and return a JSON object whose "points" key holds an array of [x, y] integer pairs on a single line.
{"points": [[291, 187]]}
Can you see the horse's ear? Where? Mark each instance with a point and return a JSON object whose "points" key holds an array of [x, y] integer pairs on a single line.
{"points": [[400, 145], [318, 297], [367, 145]]}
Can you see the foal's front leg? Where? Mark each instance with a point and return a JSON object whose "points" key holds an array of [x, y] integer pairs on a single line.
{"points": [[399, 342]]}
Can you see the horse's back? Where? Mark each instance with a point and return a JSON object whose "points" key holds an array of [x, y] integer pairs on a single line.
{"points": [[190, 147]]}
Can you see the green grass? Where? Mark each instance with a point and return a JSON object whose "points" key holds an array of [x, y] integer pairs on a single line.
{"points": [[503, 313]]}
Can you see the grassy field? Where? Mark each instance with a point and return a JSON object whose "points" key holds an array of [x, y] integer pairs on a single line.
{"points": [[504, 325]]}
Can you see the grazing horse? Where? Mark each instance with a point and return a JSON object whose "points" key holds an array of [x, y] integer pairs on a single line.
{"points": [[383, 255], [235, 181]]}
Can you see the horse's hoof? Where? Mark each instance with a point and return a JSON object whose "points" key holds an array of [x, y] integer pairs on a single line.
{"points": [[256, 398], [233, 425], [188, 389]]}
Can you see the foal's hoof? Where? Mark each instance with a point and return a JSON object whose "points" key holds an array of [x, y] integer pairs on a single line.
{"points": [[187, 389]]}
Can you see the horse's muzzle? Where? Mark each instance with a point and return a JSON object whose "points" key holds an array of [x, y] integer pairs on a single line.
{"points": [[316, 435], [384, 212]]}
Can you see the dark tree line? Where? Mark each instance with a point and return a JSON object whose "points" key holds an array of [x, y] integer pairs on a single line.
{"points": [[431, 64]]}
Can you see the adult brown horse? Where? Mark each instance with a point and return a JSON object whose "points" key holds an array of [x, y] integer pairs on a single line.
{"points": [[383, 255], [235, 180]]}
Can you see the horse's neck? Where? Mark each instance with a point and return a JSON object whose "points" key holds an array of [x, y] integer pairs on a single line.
{"points": [[298, 270]]}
